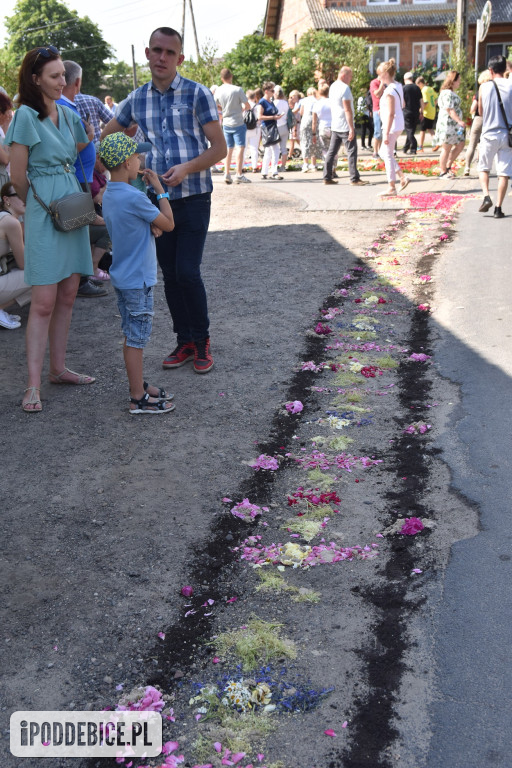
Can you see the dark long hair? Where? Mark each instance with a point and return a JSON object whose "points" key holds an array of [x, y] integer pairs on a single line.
{"points": [[30, 93]]}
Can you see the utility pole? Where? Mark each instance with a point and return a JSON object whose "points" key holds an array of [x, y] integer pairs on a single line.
{"points": [[462, 24], [183, 25], [194, 27], [134, 68]]}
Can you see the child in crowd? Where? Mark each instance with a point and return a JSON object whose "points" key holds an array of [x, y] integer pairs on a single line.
{"points": [[132, 220]]}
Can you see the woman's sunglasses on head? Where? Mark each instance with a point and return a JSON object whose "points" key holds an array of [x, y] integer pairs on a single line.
{"points": [[46, 52]]}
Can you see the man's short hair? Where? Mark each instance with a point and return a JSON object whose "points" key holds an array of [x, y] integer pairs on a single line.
{"points": [[73, 72], [497, 64], [408, 76], [226, 74], [169, 31]]}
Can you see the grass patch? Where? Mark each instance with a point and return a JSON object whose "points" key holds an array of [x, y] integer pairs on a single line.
{"points": [[365, 319], [386, 361], [308, 529], [272, 582], [367, 295], [352, 396], [319, 479], [347, 378], [239, 733], [361, 336], [339, 443], [306, 596], [258, 643]]}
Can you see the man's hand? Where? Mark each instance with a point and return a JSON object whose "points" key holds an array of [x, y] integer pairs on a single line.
{"points": [[175, 175], [351, 134], [89, 130], [156, 231]]}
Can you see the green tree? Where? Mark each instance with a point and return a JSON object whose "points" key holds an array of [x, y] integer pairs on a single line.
{"points": [[458, 60], [207, 69], [255, 59], [50, 22], [118, 79], [321, 53], [8, 73]]}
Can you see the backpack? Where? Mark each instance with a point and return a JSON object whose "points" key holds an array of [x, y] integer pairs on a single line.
{"points": [[369, 101], [250, 120]]}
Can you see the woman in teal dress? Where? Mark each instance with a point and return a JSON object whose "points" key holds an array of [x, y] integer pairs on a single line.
{"points": [[43, 148]]}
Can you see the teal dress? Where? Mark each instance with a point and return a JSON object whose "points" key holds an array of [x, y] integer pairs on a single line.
{"points": [[50, 255]]}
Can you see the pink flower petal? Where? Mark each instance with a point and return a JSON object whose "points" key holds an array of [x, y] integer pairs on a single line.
{"points": [[217, 746], [215, 660], [161, 635], [416, 570], [344, 725], [187, 591], [232, 600], [331, 733]]}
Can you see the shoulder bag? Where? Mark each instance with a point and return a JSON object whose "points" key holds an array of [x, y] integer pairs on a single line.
{"points": [[509, 127], [73, 211]]}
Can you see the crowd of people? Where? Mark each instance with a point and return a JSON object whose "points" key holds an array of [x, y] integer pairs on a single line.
{"points": [[59, 142]]}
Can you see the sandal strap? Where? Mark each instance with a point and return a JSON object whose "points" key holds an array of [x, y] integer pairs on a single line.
{"points": [[161, 392], [145, 405]]}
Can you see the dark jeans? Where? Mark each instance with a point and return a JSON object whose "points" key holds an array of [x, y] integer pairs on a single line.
{"points": [[410, 121], [180, 253], [367, 125], [351, 146]]}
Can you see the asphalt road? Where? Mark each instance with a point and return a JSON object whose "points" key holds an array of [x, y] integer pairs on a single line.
{"points": [[471, 720]]}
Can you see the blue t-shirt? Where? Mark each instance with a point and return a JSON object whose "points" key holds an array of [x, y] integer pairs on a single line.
{"points": [[128, 214], [88, 153]]}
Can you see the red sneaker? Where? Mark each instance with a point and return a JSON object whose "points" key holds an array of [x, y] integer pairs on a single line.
{"points": [[203, 361], [179, 356]]}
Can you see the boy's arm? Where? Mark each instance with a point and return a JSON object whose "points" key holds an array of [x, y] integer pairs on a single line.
{"points": [[165, 219]]}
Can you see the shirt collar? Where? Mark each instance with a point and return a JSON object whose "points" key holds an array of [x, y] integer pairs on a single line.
{"points": [[172, 86], [65, 98]]}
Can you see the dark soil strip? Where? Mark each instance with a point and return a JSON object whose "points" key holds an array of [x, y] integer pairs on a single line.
{"points": [[372, 731], [213, 562]]}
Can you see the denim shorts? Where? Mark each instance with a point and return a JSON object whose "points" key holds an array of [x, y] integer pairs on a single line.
{"points": [[235, 135], [377, 126], [136, 308]]}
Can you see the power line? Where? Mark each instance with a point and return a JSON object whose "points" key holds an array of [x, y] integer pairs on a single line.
{"points": [[50, 24]]}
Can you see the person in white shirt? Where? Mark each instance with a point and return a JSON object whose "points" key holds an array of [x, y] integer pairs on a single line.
{"points": [[322, 117], [253, 136], [496, 127], [282, 124], [232, 101], [392, 117], [342, 129]]}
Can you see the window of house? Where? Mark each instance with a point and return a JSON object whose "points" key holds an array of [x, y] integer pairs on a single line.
{"points": [[431, 53], [384, 53], [498, 49], [429, 1], [382, 2]]}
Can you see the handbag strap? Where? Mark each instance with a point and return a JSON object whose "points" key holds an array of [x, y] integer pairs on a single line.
{"points": [[501, 106], [43, 204]]}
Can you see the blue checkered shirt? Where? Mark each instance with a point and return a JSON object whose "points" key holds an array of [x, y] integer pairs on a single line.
{"points": [[94, 111], [172, 122]]}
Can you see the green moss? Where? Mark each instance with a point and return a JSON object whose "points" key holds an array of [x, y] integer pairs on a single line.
{"points": [[239, 733], [362, 335], [317, 512], [270, 581], [386, 361], [319, 479], [367, 295], [308, 529], [306, 596], [339, 443], [347, 378], [352, 396], [365, 319], [257, 643]]}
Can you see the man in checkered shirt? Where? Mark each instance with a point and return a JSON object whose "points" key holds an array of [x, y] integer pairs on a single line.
{"points": [[180, 119], [93, 111]]}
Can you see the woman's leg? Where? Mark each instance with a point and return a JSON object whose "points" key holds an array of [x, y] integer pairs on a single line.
{"points": [[455, 151], [274, 158], [474, 138], [386, 152], [60, 322], [41, 308], [443, 157], [266, 161]]}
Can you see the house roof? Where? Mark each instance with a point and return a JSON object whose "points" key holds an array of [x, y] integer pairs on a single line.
{"points": [[416, 15]]}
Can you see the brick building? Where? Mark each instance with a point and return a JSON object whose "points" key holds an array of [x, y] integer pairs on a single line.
{"points": [[410, 31]]}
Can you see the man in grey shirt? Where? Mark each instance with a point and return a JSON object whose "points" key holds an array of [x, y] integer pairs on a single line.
{"points": [[232, 101], [342, 128], [494, 142]]}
